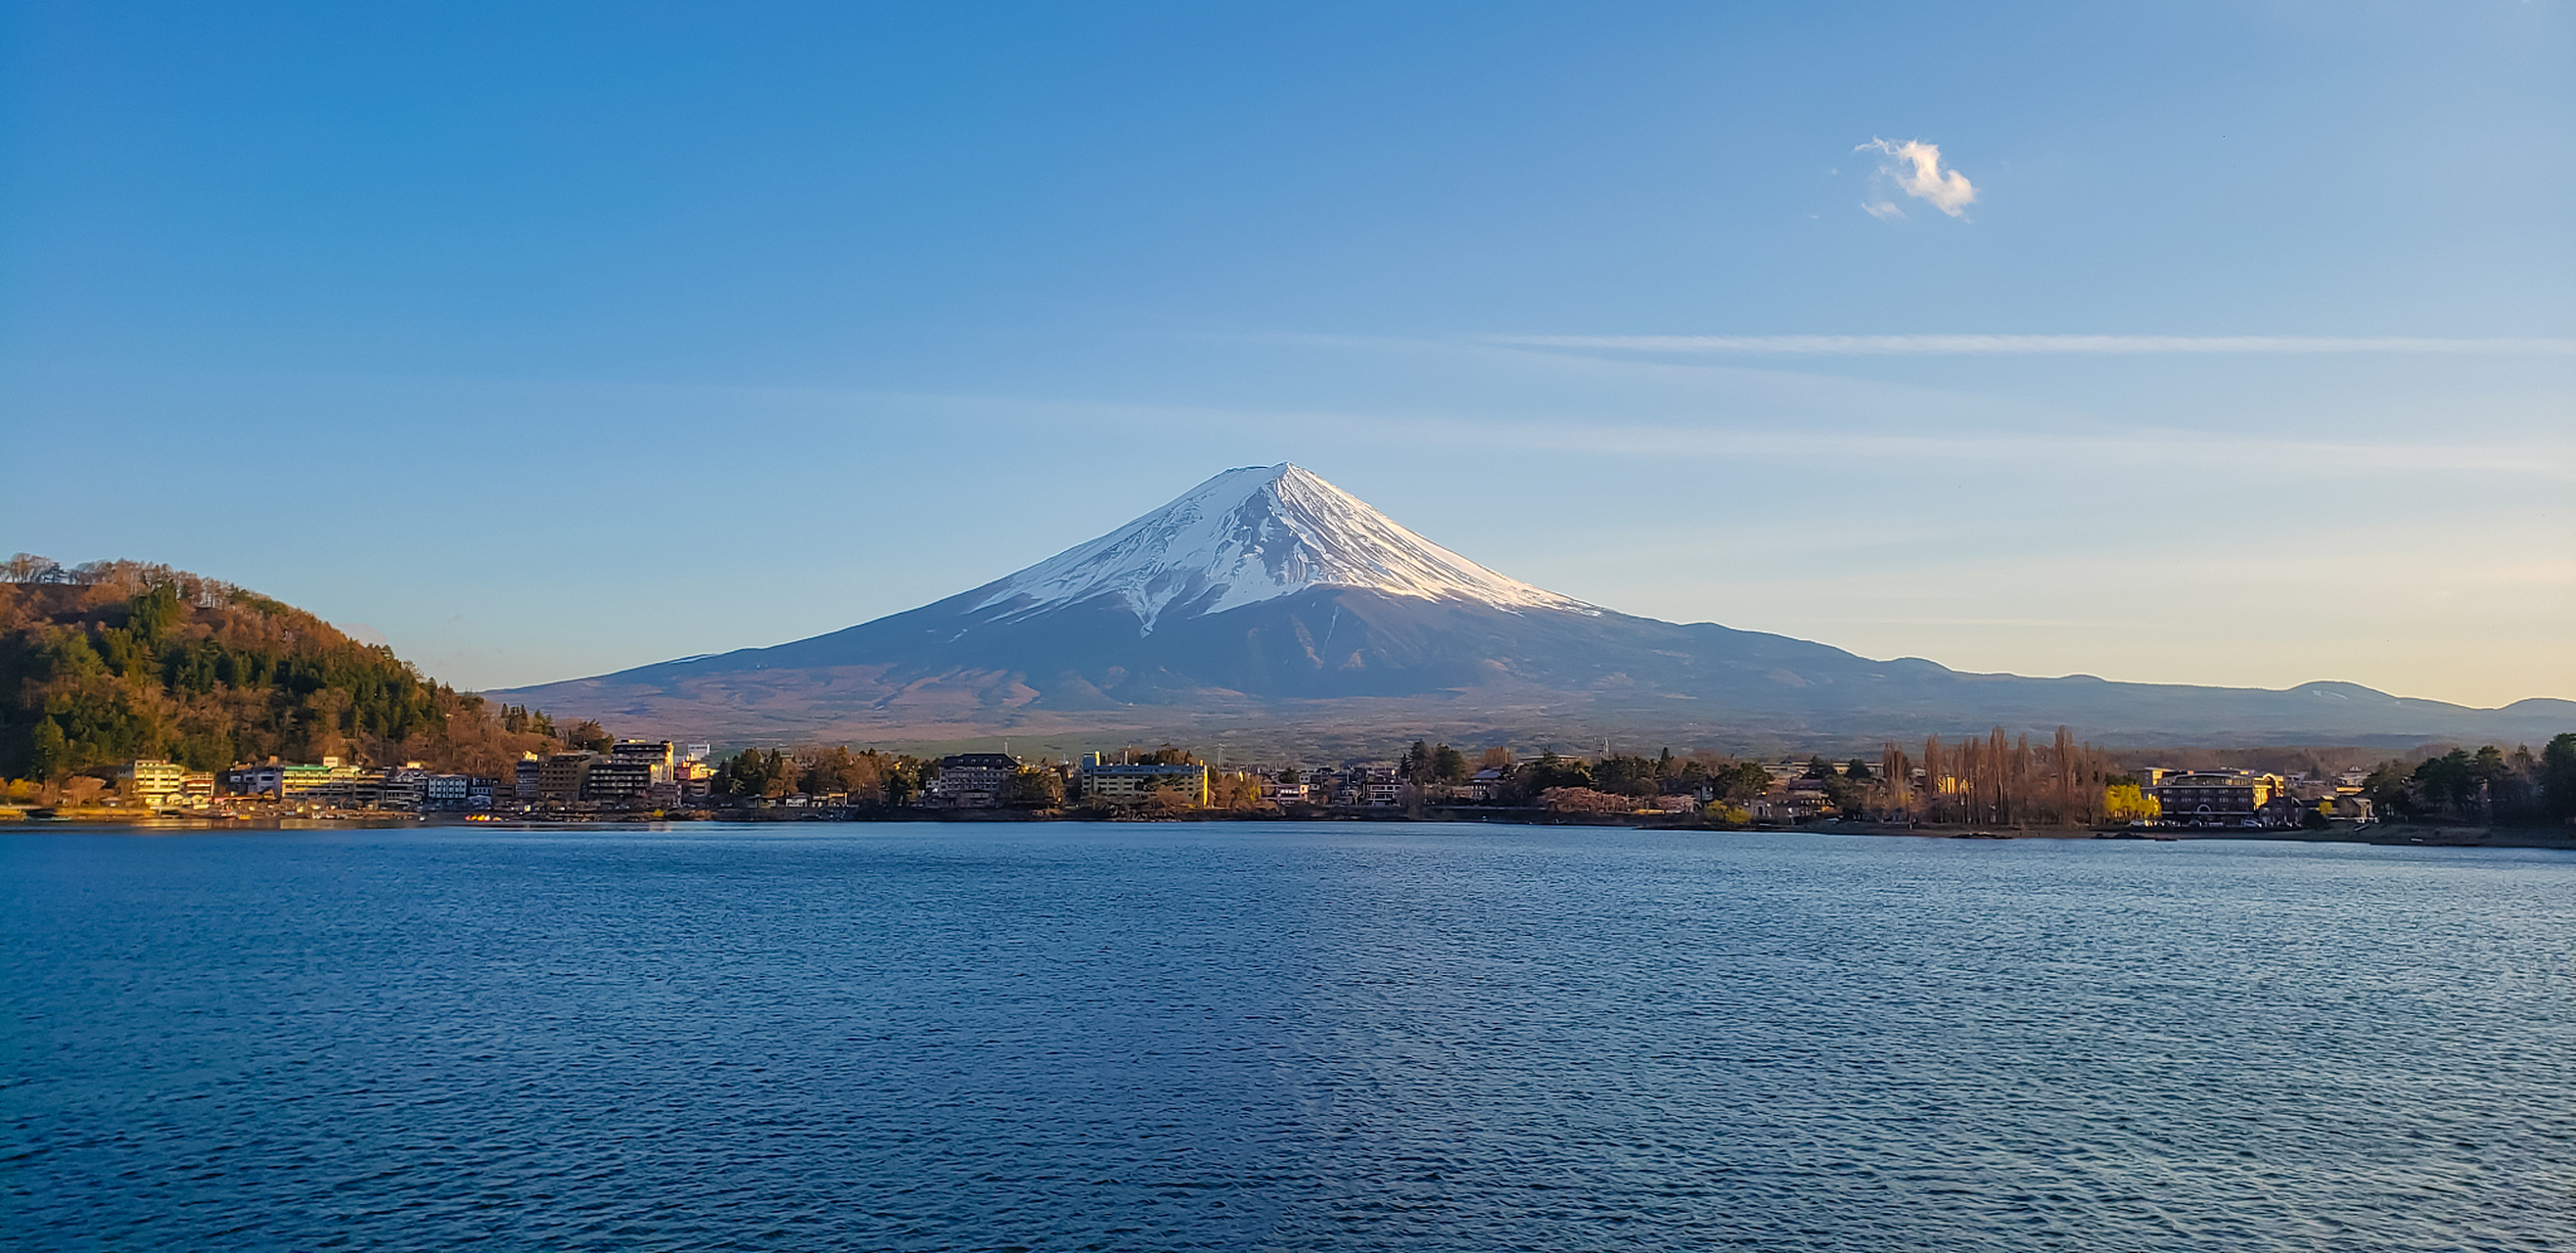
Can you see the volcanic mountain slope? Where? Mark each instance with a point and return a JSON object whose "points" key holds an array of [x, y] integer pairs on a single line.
{"points": [[1267, 599]]}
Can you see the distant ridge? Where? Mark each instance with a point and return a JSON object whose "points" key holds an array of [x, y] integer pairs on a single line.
{"points": [[1269, 605]]}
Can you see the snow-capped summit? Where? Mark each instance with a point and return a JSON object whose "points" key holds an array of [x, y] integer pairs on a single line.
{"points": [[1250, 535]]}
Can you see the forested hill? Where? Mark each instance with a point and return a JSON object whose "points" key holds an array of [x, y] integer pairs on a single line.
{"points": [[112, 660]]}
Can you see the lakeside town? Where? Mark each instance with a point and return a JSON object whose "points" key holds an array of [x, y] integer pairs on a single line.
{"points": [[1975, 781]]}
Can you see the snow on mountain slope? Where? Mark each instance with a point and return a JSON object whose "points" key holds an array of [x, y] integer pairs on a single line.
{"points": [[1250, 535]]}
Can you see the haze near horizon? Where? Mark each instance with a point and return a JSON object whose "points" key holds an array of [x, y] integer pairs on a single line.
{"points": [[2194, 346]]}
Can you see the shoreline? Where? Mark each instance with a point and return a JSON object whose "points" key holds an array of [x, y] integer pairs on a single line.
{"points": [[2400, 835], [2407, 835]]}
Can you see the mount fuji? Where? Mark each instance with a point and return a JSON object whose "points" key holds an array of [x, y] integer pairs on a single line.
{"points": [[1269, 608], [1247, 536]]}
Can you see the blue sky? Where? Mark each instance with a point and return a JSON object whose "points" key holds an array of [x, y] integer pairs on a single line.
{"points": [[546, 343]]}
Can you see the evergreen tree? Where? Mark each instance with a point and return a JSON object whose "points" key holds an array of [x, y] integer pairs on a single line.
{"points": [[50, 755], [2558, 777], [1448, 765]]}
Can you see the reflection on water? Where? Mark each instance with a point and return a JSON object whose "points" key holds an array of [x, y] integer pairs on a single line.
{"points": [[1280, 1036]]}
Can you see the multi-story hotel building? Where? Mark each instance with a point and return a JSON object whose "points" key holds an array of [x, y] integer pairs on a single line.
{"points": [[1120, 783], [2216, 798], [973, 780], [152, 781]]}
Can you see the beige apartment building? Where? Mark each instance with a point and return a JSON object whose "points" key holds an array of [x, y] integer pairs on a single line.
{"points": [[1120, 783], [151, 781]]}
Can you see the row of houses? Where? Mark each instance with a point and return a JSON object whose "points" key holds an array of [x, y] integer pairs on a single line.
{"points": [[972, 780], [632, 774], [2185, 798], [983, 780], [1367, 786], [152, 783]]}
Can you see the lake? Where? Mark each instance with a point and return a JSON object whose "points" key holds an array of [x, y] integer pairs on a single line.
{"points": [[1294, 1036]]}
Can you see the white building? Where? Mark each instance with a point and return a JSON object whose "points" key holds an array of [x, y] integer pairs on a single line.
{"points": [[973, 780], [151, 781]]}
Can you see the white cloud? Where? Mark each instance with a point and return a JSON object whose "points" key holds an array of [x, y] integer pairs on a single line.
{"points": [[1883, 210], [1885, 345], [1915, 167]]}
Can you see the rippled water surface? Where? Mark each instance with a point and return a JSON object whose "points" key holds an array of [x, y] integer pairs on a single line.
{"points": [[1284, 1036]]}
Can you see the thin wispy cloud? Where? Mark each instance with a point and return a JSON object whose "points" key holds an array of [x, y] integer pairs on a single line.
{"points": [[2263, 457], [1773, 433], [2001, 345], [1915, 168]]}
